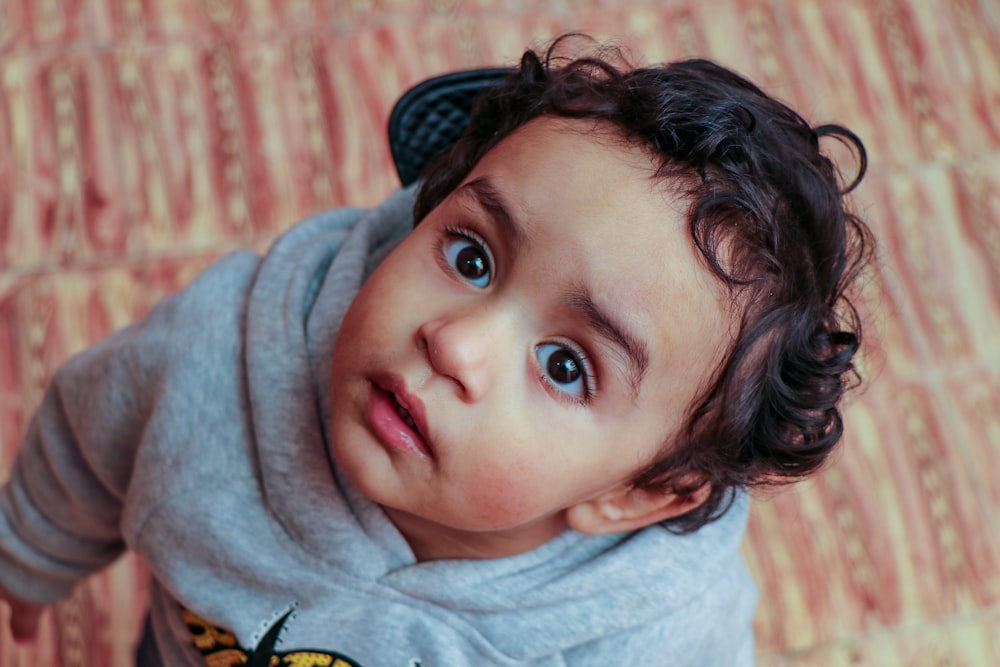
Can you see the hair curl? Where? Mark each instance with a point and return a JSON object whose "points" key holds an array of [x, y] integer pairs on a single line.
{"points": [[769, 215]]}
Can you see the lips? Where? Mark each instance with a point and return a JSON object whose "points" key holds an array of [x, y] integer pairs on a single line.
{"points": [[404, 414], [397, 417]]}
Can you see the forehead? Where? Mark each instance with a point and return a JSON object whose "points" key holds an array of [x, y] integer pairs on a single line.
{"points": [[592, 216]]}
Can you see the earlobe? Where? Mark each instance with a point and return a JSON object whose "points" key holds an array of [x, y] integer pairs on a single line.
{"points": [[629, 508]]}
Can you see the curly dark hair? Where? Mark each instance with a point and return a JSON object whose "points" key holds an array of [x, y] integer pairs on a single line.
{"points": [[767, 211]]}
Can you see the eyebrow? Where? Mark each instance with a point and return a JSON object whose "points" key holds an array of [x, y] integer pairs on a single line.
{"points": [[491, 201], [635, 349]]}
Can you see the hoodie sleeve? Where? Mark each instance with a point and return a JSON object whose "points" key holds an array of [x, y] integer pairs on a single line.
{"points": [[61, 510]]}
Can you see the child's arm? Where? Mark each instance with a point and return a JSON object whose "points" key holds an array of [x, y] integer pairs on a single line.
{"points": [[67, 508], [61, 508]]}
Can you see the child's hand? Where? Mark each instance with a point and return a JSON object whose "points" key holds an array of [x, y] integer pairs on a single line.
{"points": [[23, 616]]}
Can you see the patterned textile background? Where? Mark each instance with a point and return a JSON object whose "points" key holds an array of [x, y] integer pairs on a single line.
{"points": [[140, 139]]}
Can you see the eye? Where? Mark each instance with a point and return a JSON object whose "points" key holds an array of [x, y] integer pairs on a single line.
{"points": [[566, 370], [468, 257]]}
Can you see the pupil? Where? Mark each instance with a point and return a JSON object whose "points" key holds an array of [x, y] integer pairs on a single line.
{"points": [[471, 263], [562, 367]]}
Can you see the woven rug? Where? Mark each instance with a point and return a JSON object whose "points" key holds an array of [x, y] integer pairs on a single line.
{"points": [[141, 139]]}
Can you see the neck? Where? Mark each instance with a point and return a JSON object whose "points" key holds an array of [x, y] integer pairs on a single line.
{"points": [[431, 541]]}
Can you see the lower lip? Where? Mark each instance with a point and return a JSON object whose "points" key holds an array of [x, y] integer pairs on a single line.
{"points": [[390, 427]]}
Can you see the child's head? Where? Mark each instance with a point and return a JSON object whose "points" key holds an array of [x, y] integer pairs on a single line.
{"points": [[623, 300]]}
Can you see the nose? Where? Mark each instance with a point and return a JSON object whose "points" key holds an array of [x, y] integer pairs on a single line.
{"points": [[462, 347]]}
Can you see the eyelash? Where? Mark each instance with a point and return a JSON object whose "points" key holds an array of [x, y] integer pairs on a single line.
{"points": [[465, 233]]}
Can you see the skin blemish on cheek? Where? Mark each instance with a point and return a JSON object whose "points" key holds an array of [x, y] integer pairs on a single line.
{"points": [[663, 341]]}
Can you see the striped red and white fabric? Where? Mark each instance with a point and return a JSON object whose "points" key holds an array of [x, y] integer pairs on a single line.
{"points": [[140, 139]]}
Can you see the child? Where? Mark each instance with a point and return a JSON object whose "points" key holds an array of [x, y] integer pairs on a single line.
{"points": [[518, 434]]}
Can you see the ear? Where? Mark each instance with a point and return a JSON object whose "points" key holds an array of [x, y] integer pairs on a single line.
{"points": [[627, 508]]}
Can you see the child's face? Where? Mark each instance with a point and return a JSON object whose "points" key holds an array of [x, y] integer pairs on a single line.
{"points": [[546, 328]]}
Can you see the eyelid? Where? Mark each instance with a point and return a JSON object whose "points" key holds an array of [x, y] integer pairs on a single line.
{"points": [[469, 235]]}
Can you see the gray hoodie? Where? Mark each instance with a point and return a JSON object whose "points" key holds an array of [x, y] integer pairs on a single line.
{"points": [[196, 438]]}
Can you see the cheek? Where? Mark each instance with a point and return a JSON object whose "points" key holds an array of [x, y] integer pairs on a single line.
{"points": [[371, 314], [351, 339], [509, 493]]}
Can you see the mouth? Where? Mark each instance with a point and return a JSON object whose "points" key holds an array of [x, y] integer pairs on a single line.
{"points": [[404, 414], [397, 417]]}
